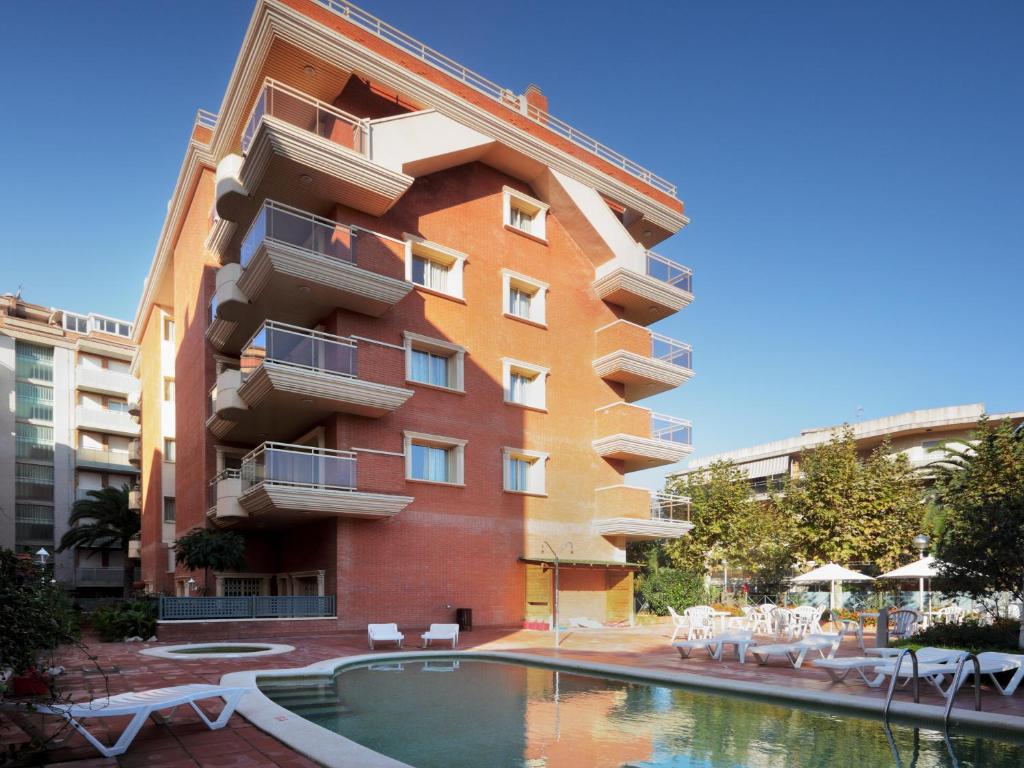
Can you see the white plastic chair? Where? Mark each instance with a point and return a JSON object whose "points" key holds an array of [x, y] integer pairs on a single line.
{"points": [[807, 620], [383, 633], [448, 632], [698, 622], [762, 622], [139, 706], [903, 624]]}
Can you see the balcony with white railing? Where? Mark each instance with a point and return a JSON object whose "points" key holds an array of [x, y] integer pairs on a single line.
{"points": [[644, 363], [113, 420], [638, 439], [657, 515], [294, 483], [223, 490], [661, 289], [299, 267], [105, 381], [290, 137], [289, 378]]}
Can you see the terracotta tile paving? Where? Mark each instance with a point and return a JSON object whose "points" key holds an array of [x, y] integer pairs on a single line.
{"points": [[184, 741]]}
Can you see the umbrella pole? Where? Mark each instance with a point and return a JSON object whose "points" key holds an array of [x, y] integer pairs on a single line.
{"points": [[920, 593]]}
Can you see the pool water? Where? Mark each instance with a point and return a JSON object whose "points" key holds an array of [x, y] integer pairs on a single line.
{"points": [[458, 713]]}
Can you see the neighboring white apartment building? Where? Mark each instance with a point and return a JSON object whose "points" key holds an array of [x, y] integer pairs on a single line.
{"points": [[65, 384], [912, 433]]}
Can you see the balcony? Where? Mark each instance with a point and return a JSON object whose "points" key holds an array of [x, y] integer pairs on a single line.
{"points": [[103, 420], [658, 515], [223, 509], [102, 458], [286, 484], [640, 439], [298, 267], [662, 289], [290, 378], [105, 381], [135, 547], [99, 577], [644, 363], [135, 452], [308, 149], [135, 405]]}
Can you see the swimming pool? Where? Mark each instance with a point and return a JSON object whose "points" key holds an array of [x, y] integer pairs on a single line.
{"points": [[458, 712]]}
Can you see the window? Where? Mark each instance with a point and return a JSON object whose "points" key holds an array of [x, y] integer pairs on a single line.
{"points": [[76, 323], [524, 297], [169, 509], [434, 459], [33, 442], [433, 266], [117, 406], [169, 449], [113, 327], [168, 329], [524, 470], [524, 213], [233, 586], [524, 383], [33, 482], [169, 390], [33, 401], [33, 362], [33, 524], [434, 362]]}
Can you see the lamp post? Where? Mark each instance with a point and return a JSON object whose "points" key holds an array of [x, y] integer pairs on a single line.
{"points": [[43, 555], [725, 578], [190, 585], [921, 542], [555, 615]]}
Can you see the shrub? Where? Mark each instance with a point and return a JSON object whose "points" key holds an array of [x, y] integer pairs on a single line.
{"points": [[666, 587], [132, 618], [972, 635]]}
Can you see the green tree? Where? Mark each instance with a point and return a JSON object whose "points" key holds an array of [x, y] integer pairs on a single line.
{"points": [[203, 549], [852, 510], [979, 486], [103, 520]]}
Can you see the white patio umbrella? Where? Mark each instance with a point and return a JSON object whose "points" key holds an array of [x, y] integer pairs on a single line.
{"points": [[831, 573], [922, 569]]}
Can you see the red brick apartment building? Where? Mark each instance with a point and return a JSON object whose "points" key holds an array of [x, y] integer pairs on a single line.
{"points": [[395, 334]]}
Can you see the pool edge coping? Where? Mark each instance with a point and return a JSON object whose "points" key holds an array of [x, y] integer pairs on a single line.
{"points": [[333, 750]]}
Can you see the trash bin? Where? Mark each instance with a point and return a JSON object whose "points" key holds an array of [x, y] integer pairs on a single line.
{"points": [[464, 617]]}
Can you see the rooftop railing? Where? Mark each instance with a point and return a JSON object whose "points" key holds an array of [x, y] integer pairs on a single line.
{"points": [[669, 506], [206, 119], [671, 429], [299, 466], [302, 111], [671, 351], [669, 272], [504, 96], [299, 347]]}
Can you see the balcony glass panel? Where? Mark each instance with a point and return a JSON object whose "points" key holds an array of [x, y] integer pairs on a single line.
{"points": [[296, 108], [34, 442], [103, 456], [33, 401], [666, 506], [301, 348], [282, 464], [671, 429], [669, 272], [671, 351], [300, 230], [33, 362]]}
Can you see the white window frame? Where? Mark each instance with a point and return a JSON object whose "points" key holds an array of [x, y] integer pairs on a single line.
{"points": [[536, 473], [538, 296], [539, 374], [174, 443], [456, 456], [453, 260], [456, 360], [513, 198]]}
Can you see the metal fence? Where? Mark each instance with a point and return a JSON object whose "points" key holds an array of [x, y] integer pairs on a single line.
{"points": [[254, 607]]}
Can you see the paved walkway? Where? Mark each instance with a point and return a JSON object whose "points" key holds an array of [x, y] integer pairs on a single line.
{"points": [[186, 742]]}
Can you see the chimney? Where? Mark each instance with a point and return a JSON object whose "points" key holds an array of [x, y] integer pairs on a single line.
{"points": [[535, 98]]}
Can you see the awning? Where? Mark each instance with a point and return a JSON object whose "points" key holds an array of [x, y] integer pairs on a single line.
{"points": [[608, 565], [777, 465]]}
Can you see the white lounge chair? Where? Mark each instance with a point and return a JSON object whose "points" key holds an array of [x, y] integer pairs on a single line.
{"points": [[838, 669], [825, 645], [383, 633], [441, 632], [742, 639], [139, 706], [991, 663]]}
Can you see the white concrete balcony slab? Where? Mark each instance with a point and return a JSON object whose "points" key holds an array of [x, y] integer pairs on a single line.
{"points": [[661, 289], [283, 484], [103, 420], [298, 267], [644, 363], [306, 148], [223, 509], [668, 441], [105, 381], [290, 378], [630, 513]]}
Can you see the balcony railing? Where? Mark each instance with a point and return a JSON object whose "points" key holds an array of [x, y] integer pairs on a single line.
{"points": [[206, 119], [296, 108], [100, 577], [671, 351], [296, 228], [211, 489], [255, 607], [668, 506], [299, 347], [104, 456], [671, 429], [492, 90], [299, 466], [669, 272]]}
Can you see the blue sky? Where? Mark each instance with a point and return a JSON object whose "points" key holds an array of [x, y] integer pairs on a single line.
{"points": [[853, 173]]}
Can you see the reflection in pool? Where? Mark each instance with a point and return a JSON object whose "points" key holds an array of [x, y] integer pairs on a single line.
{"points": [[488, 713]]}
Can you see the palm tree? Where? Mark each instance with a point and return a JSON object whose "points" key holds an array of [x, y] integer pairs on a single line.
{"points": [[103, 519]]}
